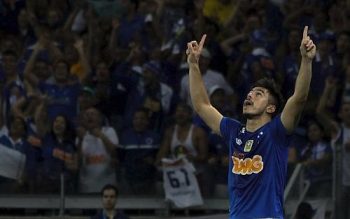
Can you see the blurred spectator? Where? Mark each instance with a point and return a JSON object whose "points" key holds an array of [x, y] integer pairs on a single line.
{"points": [[131, 23], [289, 63], [210, 78], [151, 94], [16, 140], [59, 157], [340, 133], [185, 139], [62, 92], [97, 150], [109, 195], [217, 149], [316, 156], [139, 146]]}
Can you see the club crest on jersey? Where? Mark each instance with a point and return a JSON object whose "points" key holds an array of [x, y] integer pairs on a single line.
{"points": [[247, 166], [248, 145]]}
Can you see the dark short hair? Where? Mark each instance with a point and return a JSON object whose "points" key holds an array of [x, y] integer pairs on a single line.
{"points": [[275, 92], [109, 187]]}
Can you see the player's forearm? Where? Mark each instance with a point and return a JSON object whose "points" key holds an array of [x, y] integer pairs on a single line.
{"points": [[302, 83], [199, 96]]}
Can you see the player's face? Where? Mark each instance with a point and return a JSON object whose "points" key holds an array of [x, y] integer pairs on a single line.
{"points": [[256, 102], [109, 199]]}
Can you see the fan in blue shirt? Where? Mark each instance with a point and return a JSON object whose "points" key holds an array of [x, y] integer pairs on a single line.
{"points": [[257, 149]]}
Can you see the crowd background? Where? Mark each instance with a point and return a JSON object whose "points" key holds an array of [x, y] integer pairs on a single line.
{"points": [[99, 89]]}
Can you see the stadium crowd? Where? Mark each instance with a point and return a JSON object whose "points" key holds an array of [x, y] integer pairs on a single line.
{"points": [[99, 89]]}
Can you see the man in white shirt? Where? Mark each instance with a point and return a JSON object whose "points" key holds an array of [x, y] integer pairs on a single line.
{"points": [[97, 146]]}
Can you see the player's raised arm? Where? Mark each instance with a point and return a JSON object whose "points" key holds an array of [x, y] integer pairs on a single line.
{"points": [[295, 104], [199, 96]]}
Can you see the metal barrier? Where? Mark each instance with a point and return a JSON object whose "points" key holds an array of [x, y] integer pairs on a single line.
{"points": [[302, 185]]}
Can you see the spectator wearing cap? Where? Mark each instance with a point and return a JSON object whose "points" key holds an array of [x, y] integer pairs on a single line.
{"points": [[210, 78], [151, 94]]}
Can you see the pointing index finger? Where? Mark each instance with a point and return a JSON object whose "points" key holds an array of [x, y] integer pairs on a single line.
{"points": [[306, 28], [201, 43]]}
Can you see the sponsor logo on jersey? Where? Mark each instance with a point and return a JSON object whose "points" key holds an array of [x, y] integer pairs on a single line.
{"points": [[248, 145], [238, 141], [247, 166]]}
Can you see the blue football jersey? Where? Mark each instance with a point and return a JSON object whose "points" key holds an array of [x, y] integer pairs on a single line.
{"points": [[257, 170]]}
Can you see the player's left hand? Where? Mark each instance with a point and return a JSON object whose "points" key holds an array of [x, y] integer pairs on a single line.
{"points": [[307, 47]]}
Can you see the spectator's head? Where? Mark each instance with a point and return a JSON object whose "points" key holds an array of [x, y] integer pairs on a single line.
{"points": [[315, 131], [217, 96], [87, 98], [320, 20], [71, 54], [53, 18], [183, 114], [41, 69], [264, 98], [325, 44], [151, 73], [60, 127], [102, 72], [343, 43], [22, 19], [93, 118], [9, 43], [253, 21], [109, 195], [294, 38], [131, 5], [17, 127], [9, 62], [304, 211], [61, 71], [140, 120]]}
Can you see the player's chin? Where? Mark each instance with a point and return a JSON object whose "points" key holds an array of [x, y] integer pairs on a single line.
{"points": [[248, 115]]}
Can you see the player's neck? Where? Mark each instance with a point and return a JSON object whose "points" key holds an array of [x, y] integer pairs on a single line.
{"points": [[254, 124]]}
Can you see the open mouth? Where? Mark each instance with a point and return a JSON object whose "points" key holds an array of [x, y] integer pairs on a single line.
{"points": [[247, 103]]}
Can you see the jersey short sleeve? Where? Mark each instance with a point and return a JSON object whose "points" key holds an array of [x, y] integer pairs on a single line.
{"points": [[227, 127]]}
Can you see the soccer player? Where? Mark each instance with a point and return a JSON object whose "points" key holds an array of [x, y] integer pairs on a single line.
{"points": [[258, 148]]}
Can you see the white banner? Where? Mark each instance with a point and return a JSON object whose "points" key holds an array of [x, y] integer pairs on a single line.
{"points": [[180, 183], [12, 163]]}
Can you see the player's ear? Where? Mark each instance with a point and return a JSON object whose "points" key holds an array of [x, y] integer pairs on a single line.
{"points": [[270, 108]]}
